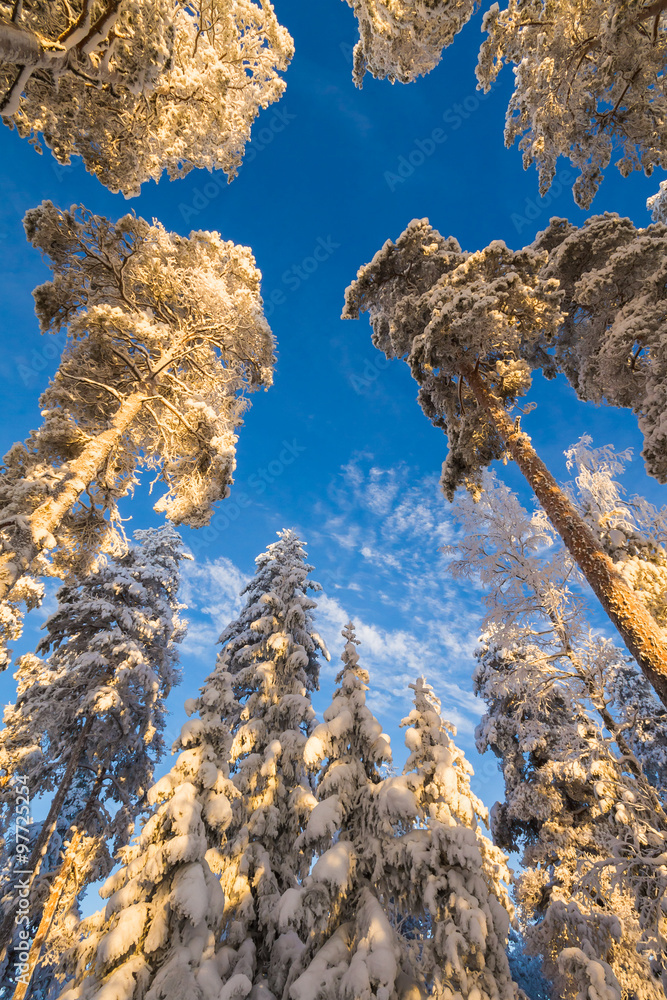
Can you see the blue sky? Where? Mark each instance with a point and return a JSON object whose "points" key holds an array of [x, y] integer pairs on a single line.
{"points": [[338, 449]]}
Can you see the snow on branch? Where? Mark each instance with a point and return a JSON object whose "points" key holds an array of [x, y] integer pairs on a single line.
{"points": [[137, 88]]}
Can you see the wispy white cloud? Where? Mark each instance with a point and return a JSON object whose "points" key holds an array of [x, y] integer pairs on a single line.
{"points": [[210, 590], [394, 658], [378, 553], [411, 616]]}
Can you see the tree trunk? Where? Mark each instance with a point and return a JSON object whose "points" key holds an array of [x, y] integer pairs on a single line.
{"points": [[45, 834], [55, 892], [26, 540], [48, 913], [20, 45], [640, 632]]}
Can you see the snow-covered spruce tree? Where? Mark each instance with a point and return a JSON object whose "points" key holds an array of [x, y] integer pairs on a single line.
{"points": [[271, 651], [351, 945], [158, 935], [402, 41], [137, 88], [589, 79], [166, 336], [461, 876], [471, 326], [405, 897], [574, 809], [611, 345], [531, 597], [95, 703]]}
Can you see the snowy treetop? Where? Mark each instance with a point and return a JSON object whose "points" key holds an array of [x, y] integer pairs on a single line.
{"points": [[403, 41], [451, 315], [167, 334], [137, 88]]}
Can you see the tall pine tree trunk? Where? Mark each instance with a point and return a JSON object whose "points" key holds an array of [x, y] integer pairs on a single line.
{"points": [[640, 632], [48, 913], [67, 869], [41, 844], [26, 540]]}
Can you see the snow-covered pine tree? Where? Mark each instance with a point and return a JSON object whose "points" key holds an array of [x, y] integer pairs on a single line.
{"points": [[166, 336], [402, 41], [271, 651], [604, 90], [472, 326], [462, 877], [137, 88], [579, 815], [611, 344], [406, 897], [95, 703], [158, 937]]}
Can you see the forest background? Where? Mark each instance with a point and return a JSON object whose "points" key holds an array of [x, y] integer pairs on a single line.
{"points": [[337, 449]]}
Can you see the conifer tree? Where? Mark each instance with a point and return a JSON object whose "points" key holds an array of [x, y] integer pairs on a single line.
{"points": [[158, 937], [271, 652], [351, 945], [465, 880], [472, 326], [95, 704], [165, 335], [137, 88], [586, 823], [405, 898]]}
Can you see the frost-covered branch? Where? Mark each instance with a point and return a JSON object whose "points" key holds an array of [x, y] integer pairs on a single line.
{"points": [[611, 343], [139, 88], [402, 41], [524, 571], [589, 79]]}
